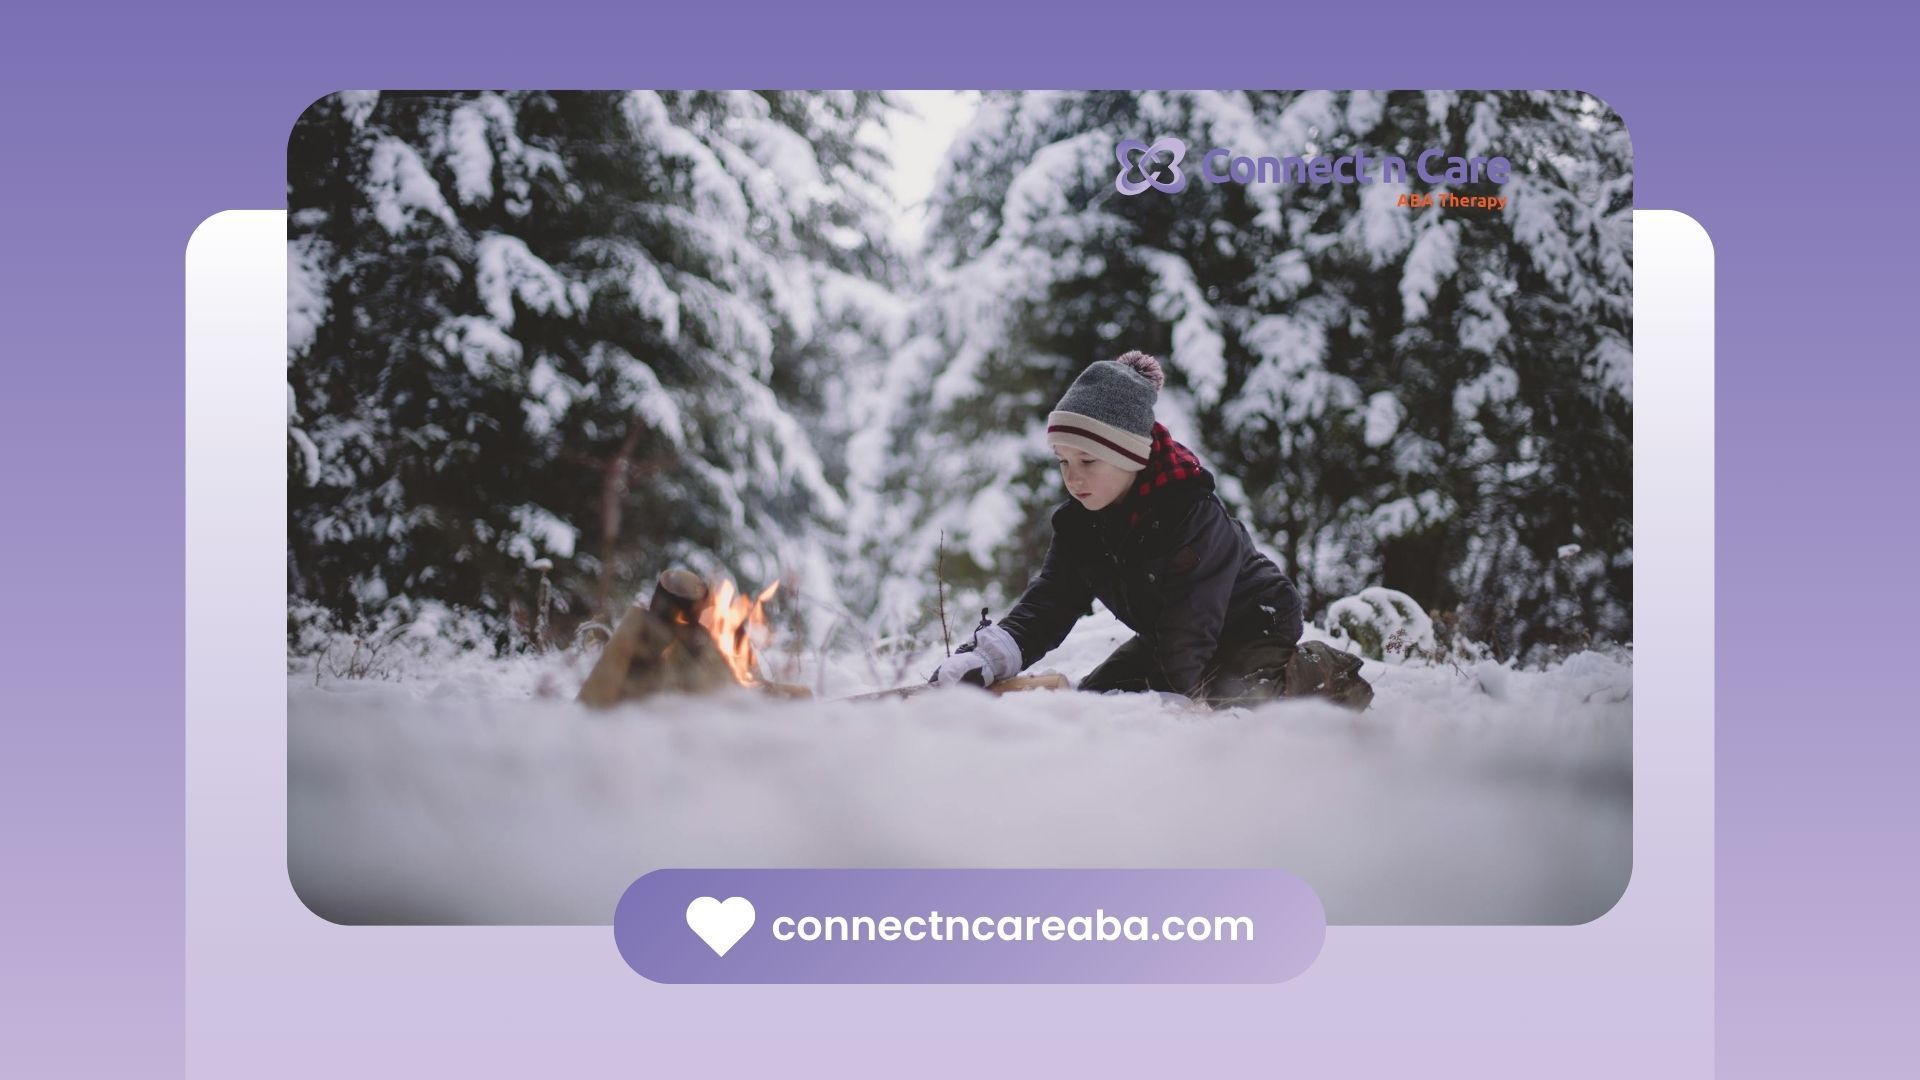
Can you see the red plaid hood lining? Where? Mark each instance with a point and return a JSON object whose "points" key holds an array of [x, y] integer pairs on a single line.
{"points": [[1168, 463]]}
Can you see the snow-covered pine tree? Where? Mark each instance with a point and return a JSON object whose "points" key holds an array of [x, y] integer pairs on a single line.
{"points": [[612, 330], [1425, 399]]}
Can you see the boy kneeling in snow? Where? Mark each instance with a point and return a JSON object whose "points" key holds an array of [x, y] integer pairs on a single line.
{"points": [[1144, 532]]}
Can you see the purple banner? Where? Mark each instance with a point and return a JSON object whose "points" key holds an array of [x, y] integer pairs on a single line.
{"points": [[969, 926]]}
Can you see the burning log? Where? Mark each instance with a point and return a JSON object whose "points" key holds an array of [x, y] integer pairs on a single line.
{"points": [[689, 638]]}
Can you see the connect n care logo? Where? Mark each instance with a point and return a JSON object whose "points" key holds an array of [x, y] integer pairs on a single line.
{"points": [[1138, 157], [1141, 168]]}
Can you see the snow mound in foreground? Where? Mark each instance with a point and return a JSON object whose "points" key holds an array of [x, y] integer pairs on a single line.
{"points": [[1482, 795]]}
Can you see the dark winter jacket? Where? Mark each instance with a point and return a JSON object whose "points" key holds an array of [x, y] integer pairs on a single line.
{"points": [[1169, 562]]}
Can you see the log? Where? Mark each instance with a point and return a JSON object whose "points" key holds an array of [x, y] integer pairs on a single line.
{"points": [[679, 595], [659, 648], [789, 691], [1015, 685], [685, 661], [609, 674]]}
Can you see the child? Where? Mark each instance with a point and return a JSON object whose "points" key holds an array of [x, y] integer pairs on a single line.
{"points": [[1143, 531]]}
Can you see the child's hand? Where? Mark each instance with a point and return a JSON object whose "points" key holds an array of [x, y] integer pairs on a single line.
{"points": [[994, 656], [966, 667]]}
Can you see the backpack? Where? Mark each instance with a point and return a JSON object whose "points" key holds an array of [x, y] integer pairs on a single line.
{"points": [[1317, 669]]}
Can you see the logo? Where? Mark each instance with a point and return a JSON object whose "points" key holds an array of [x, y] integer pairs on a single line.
{"points": [[1136, 156], [1140, 169]]}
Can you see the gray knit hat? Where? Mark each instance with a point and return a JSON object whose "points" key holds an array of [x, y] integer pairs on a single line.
{"points": [[1108, 411]]}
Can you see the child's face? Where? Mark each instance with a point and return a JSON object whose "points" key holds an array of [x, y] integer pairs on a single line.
{"points": [[1092, 481]]}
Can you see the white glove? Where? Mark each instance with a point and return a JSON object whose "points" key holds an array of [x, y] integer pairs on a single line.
{"points": [[995, 656], [955, 669]]}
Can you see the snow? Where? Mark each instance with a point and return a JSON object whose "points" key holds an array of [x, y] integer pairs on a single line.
{"points": [[1409, 514], [1483, 133], [507, 270], [875, 406], [473, 791], [307, 301], [1430, 264], [716, 194], [1364, 110], [1384, 413], [470, 156], [1199, 352], [549, 395], [474, 131], [1416, 455], [1382, 228], [739, 330], [1613, 360], [762, 417], [867, 304], [1498, 383], [774, 166], [1282, 278], [1532, 213], [1483, 326], [358, 105], [1288, 384], [1037, 194], [309, 455], [960, 379], [1306, 120], [399, 187], [651, 295], [538, 529], [642, 394], [479, 344], [1388, 614], [991, 517]]}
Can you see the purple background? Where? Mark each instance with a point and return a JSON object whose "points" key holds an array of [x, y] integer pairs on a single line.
{"points": [[125, 128], [1289, 926]]}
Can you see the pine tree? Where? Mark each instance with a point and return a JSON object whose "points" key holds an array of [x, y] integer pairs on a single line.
{"points": [[601, 329]]}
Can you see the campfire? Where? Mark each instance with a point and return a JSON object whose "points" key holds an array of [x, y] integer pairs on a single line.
{"points": [[732, 619], [696, 637], [691, 637]]}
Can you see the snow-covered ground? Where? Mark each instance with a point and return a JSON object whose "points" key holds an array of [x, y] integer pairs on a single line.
{"points": [[475, 791]]}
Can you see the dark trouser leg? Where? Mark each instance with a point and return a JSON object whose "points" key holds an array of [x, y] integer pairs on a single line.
{"points": [[1129, 668], [1248, 674]]}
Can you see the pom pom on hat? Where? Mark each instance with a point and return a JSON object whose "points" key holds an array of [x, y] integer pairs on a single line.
{"points": [[1145, 365]]}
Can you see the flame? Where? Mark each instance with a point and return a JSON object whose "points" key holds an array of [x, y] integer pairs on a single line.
{"points": [[733, 620]]}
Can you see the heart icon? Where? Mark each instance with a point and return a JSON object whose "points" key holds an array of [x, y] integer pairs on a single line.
{"points": [[720, 923]]}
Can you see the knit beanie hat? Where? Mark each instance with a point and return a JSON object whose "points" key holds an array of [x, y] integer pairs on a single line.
{"points": [[1108, 411]]}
